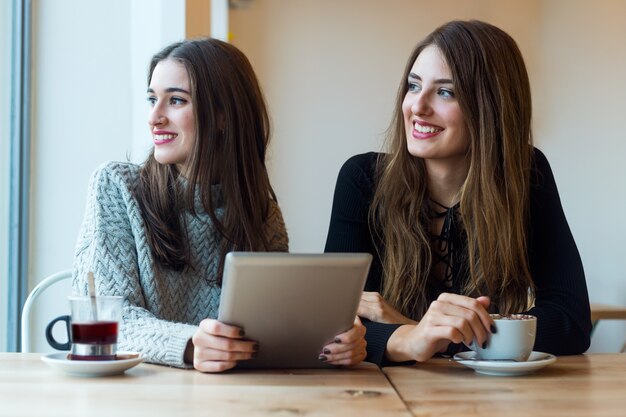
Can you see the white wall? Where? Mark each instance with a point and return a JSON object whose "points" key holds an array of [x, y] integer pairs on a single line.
{"points": [[330, 70], [579, 118], [90, 60]]}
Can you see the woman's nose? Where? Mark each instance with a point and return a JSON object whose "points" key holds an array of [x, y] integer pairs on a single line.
{"points": [[421, 104], [156, 118]]}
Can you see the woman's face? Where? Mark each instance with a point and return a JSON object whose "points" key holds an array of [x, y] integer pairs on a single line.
{"points": [[171, 118], [433, 121]]}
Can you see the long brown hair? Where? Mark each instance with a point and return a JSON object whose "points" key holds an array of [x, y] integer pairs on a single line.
{"points": [[493, 91], [233, 132]]}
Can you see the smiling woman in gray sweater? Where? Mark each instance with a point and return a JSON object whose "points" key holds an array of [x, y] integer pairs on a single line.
{"points": [[157, 233]]}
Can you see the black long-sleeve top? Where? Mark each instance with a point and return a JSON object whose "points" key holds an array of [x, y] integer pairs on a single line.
{"points": [[561, 303]]}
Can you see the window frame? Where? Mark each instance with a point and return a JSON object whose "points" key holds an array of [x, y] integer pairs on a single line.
{"points": [[19, 175]]}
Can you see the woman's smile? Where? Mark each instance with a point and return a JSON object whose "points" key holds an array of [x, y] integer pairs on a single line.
{"points": [[162, 137], [424, 130]]}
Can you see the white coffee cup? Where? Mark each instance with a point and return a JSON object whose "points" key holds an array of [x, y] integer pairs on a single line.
{"points": [[514, 338]]}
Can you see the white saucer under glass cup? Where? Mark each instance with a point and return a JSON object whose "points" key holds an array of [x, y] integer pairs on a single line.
{"points": [[92, 328]]}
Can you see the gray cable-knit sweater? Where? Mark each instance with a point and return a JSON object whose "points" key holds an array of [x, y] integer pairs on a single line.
{"points": [[162, 307]]}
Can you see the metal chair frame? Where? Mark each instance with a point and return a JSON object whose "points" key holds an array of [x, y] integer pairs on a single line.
{"points": [[30, 302]]}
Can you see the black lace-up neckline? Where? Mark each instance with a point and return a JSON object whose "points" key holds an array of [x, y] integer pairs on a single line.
{"points": [[444, 244]]}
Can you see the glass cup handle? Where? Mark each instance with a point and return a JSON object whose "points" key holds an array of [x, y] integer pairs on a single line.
{"points": [[52, 341]]}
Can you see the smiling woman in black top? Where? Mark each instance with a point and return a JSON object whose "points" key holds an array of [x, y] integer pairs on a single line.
{"points": [[463, 216]]}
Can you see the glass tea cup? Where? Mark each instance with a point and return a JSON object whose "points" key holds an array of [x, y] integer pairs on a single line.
{"points": [[92, 328]]}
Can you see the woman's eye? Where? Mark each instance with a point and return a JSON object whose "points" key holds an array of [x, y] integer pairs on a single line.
{"points": [[177, 101], [413, 87], [152, 100], [444, 92]]}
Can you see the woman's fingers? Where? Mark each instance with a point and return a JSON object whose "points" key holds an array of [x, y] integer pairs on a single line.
{"points": [[207, 354], [478, 306], [204, 340], [215, 360], [364, 311], [353, 356], [371, 296], [371, 306], [212, 366], [355, 333], [344, 354], [218, 328], [454, 329], [447, 334], [369, 309], [218, 346], [484, 301], [374, 307], [467, 315], [348, 348]]}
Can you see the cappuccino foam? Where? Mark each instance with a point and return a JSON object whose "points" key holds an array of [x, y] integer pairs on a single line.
{"points": [[512, 317]]}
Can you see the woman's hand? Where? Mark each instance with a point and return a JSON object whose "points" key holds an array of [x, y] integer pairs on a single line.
{"points": [[374, 307], [218, 346], [451, 318], [348, 348]]}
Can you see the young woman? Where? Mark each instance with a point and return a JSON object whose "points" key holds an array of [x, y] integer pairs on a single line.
{"points": [[462, 215], [157, 233]]}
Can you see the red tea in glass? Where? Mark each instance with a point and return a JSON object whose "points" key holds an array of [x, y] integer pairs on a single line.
{"points": [[102, 333], [98, 333]]}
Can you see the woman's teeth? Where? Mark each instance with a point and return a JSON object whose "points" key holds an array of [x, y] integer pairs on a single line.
{"points": [[426, 129], [164, 137]]}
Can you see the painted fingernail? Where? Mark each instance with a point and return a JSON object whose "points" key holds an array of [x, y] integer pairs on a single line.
{"points": [[241, 333], [327, 351], [255, 347], [485, 344], [254, 355], [493, 329], [322, 358], [337, 340]]}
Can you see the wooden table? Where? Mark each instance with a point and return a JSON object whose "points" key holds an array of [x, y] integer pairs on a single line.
{"points": [[28, 387], [584, 385]]}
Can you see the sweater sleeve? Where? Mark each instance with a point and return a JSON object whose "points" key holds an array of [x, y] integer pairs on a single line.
{"points": [[349, 232], [561, 302], [276, 230], [112, 244]]}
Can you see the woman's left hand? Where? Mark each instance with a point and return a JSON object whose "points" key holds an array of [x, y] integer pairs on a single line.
{"points": [[348, 348], [375, 308]]}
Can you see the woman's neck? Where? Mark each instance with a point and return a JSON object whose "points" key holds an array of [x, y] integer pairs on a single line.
{"points": [[445, 181]]}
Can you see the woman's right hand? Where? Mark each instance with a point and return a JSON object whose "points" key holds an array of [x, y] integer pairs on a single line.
{"points": [[218, 346], [452, 318]]}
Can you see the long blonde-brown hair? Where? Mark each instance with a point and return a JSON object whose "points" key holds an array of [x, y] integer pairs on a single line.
{"points": [[233, 133], [493, 91]]}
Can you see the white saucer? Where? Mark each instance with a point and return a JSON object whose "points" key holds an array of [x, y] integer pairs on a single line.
{"points": [[537, 360], [60, 362]]}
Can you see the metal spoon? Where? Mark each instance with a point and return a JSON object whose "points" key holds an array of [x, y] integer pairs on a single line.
{"points": [[92, 295]]}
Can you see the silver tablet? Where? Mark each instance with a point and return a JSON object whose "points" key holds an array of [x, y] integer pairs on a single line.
{"points": [[292, 304]]}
